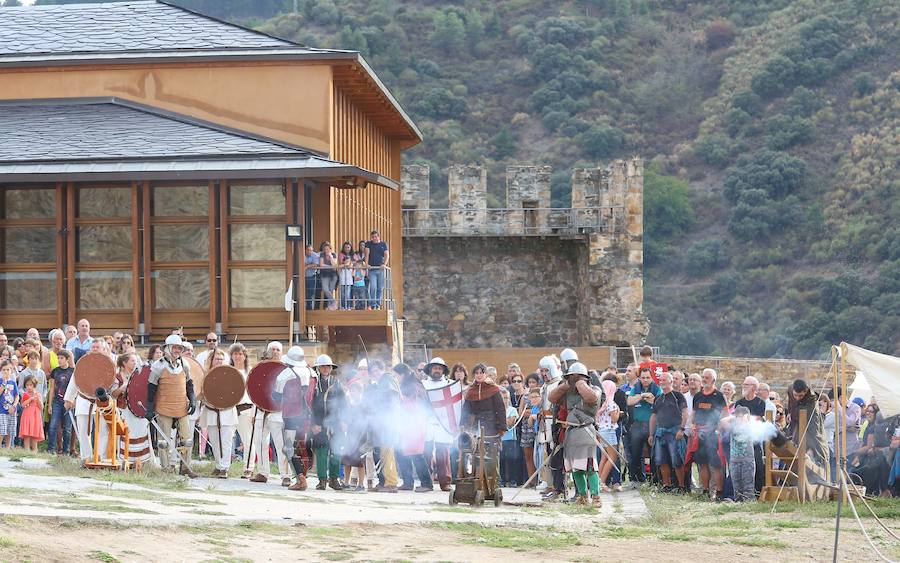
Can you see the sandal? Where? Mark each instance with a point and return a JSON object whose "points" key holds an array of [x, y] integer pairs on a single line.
{"points": [[605, 489]]}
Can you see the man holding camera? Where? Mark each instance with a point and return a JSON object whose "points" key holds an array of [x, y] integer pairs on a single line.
{"points": [[641, 399]]}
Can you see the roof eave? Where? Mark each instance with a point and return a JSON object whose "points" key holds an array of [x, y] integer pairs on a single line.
{"points": [[198, 55]]}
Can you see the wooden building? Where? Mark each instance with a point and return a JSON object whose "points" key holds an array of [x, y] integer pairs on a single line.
{"points": [[151, 158]]}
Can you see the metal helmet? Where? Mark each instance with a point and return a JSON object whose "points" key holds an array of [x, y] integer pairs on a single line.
{"points": [[549, 362], [437, 361], [325, 360], [295, 356], [577, 368], [174, 340], [363, 364], [568, 355]]}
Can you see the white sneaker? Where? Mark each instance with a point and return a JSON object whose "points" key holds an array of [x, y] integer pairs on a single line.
{"points": [[541, 487]]}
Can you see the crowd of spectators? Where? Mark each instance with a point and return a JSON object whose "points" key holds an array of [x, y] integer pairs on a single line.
{"points": [[351, 279]]}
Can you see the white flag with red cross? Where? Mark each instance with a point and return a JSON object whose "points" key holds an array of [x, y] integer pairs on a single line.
{"points": [[447, 404]]}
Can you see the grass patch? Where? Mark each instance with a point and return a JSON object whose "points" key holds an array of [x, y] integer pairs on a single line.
{"points": [[324, 531], [677, 537], [457, 509], [755, 541], [200, 512], [103, 556], [336, 555], [6, 542], [787, 524], [517, 539]]}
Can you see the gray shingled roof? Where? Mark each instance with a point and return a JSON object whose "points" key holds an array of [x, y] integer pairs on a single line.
{"points": [[121, 27], [105, 129], [108, 137]]}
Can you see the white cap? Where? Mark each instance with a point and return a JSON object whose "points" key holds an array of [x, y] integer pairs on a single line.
{"points": [[174, 340], [294, 357], [568, 355]]}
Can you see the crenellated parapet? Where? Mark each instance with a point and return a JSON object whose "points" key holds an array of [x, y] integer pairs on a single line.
{"points": [[596, 243]]}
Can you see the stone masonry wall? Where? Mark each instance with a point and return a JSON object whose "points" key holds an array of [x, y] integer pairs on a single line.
{"points": [[600, 236], [779, 374], [490, 292]]}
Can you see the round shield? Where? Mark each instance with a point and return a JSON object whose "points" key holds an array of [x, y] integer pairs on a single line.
{"points": [[136, 392], [93, 370], [261, 383], [223, 387], [197, 375]]}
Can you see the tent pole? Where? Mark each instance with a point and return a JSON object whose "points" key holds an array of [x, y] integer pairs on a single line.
{"points": [[840, 436]]}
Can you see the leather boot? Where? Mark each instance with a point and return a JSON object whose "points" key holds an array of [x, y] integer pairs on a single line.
{"points": [[335, 484], [300, 485], [186, 470]]}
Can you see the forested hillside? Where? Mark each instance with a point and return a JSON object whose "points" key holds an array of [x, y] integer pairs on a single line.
{"points": [[771, 129]]}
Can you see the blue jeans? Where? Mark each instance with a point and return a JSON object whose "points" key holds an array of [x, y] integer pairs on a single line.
{"points": [[346, 296], [57, 417], [376, 287], [312, 292]]}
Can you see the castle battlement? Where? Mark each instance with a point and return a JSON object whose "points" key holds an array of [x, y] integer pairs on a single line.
{"points": [[603, 199]]}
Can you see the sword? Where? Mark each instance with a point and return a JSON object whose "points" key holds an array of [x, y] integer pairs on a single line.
{"points": [[248, 449], [165, 436]]}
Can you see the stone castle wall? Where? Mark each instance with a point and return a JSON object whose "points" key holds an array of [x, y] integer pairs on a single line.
{"points": [[553, 277], [779, 374], [482, 292]]}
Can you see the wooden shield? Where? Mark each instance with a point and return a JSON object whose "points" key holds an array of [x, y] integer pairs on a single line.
{"points": [[136, 392], [223, 387], [197, 375], [94, 370], [261, 383]]}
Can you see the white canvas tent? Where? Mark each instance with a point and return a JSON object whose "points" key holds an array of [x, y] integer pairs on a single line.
{"points": [[860, 388], [881, 372]]}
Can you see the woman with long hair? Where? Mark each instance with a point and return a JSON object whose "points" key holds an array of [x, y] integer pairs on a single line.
{"points": [[237, 353]]}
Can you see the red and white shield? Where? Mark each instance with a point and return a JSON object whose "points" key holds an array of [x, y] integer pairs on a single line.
{"points": [[447, 404]]}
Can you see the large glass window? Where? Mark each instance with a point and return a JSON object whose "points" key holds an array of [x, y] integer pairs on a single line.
{"points": [[103, 243], [104, 202], [257, 242], [257, 288], [27, 203], [181, 289], [180, 243], [179, 247], [28, 291], [104, 290], [179, 201], [256, 246], [28, 245], [256, 200]]}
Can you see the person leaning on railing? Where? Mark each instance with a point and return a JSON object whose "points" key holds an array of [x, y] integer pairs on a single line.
{"points": [[377, 256]]}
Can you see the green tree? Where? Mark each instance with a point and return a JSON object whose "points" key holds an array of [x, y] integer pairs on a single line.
{"points": [[601, 141], [667, 211], [448, 33]]}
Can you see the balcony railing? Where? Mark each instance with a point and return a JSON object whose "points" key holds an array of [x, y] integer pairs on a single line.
{"points": [[342, 300], [539, 221]]}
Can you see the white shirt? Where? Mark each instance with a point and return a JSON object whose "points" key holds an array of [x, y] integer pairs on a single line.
{"points": [[436, 431]]}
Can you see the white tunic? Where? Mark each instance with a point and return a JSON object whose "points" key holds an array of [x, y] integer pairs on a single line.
{"points": [[436, 431]]}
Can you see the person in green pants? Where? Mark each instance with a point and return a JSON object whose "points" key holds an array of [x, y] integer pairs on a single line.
{"points": [[328, 396]]}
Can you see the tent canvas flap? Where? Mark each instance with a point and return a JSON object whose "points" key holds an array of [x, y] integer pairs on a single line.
{"points": [[882, 372]]}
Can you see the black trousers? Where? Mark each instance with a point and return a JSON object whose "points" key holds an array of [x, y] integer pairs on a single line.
{"points": [[637, 439], [511, 463]]}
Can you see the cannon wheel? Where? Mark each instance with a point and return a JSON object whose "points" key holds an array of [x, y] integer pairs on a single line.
{"points": [[479, 499], [498, 497]]}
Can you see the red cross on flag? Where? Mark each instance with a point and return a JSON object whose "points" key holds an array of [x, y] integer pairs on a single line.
{"points": [[447, 404]]}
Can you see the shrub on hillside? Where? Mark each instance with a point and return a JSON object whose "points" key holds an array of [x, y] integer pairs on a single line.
{"points": [[756, 216], [448, 33], [667, 211], [748, 101], [439, 103], [803, 103], [737, 121], [785, 131], [725, 287], [601, 141], [706, 256], [864, 84], [714, 150], [775, 173], [719, 34]]}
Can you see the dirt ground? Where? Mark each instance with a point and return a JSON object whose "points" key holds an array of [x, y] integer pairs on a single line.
{"points": [[57, 512]]}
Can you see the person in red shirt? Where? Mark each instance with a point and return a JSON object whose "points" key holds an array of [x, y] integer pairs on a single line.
{"points": [[648, 362]]}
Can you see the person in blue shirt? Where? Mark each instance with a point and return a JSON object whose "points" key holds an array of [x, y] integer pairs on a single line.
{"points": [[640, 399], [311, 277], [9, 400], [80, 344], [377, 256]]}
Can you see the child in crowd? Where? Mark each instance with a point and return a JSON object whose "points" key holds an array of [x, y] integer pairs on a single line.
{"points": [[346, 281], [743, 464], [34, 369], [533, 457], [9, 400], [32, 427], [509, 453], [359, 286], [59, 382]]}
